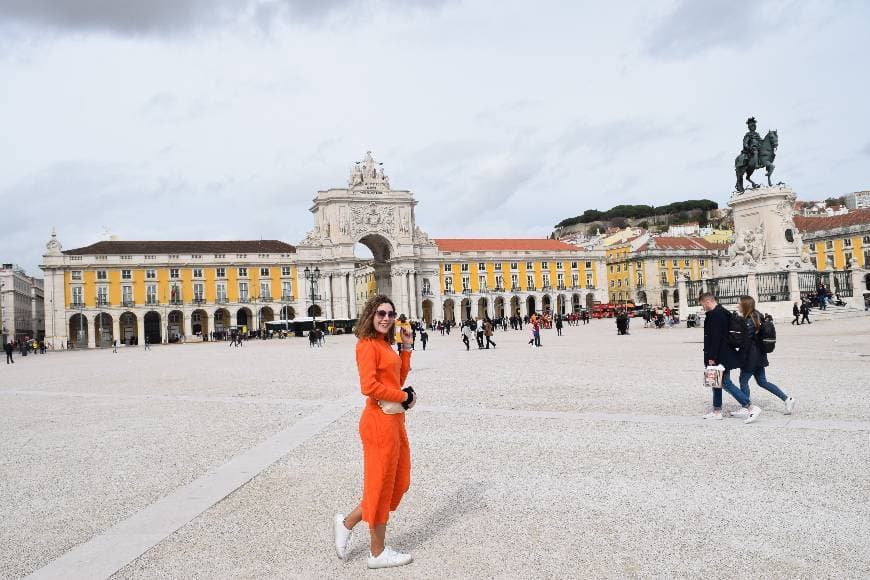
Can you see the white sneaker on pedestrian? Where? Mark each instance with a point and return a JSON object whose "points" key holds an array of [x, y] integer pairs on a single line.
{"points": [[789, 405], [742, 412], [342, 536], [717, 415], [389, 558], [754, 412]]}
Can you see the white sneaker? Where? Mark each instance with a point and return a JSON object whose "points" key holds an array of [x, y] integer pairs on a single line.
{"points": [[789, 405], [717, 415], [342, 536], [754, 412], [389, 558], [741, 412]]}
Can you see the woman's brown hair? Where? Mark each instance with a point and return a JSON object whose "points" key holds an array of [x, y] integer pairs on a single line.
{"points": [[747, 309], [365, 326]]}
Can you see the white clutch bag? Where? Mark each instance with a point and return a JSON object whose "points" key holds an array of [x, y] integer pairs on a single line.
{"points": [[391, 407]]}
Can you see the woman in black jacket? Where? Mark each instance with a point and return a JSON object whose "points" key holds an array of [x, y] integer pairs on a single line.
{"points": [[754, 359]]}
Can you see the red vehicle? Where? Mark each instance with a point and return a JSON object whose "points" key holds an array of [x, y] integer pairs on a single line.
{"points": [[600, 310]]}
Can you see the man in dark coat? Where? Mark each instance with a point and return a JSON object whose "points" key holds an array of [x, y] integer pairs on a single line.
{"points": [[8, 349], [718, 352]]}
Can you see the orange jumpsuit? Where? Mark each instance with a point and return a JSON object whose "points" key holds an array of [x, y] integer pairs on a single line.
{"points": [[386, 454]]}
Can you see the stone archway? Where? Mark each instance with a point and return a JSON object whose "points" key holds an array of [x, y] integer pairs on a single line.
{"points": [[590, 301], [266, 315], [175, 330], [482, 306], [288, 313], [244, 319], [314, 311], [546, 305], [427, 312], [515, 306], [499, 307], [465, 309], [676, 297], [129, 328], [78, 331], [449, 313], [199, 323], [103, 334], [382, 251], [575, 303], [530, 305], [221, 322], [153, 332]]}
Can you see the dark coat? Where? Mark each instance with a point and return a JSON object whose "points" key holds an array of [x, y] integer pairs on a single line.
{"points": [[751, 353], [795, 311], [8, 348], [715, 344]]}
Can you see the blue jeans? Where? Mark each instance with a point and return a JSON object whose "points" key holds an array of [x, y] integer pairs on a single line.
{"points": [[762, 381], [732, 389]]}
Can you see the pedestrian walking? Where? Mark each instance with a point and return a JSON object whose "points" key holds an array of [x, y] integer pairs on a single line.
{"points": [[7, 348], [805, 312], [466, 334], [487, 332], [386, 452], [717, 351], [424, 337], [114, 347], [754, 358], [796, 312], [536, 329], [558, 325], [479, 333], [147, 344]]}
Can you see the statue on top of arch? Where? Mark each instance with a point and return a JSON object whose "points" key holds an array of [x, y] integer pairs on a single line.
{"points": [[368, 174]]}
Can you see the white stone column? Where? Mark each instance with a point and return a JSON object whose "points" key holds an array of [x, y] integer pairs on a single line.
{"points": [[415, 297], [327, 298], [858, 288], [140, 327], [752, 286], [794, 291], [351, 296], [188, 325], [683, 299], [116, 328]]}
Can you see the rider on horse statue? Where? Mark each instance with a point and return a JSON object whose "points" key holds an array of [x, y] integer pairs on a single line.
{"points": [[752, 143], [757, 153]]}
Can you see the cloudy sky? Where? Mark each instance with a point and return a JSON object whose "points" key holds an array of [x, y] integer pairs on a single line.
{"points": [[197, 119]]}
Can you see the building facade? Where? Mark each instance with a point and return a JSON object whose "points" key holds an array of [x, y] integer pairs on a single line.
{"points": [[165, 291], [646, 269], [858, 200], [835, 242], [22, 310]]}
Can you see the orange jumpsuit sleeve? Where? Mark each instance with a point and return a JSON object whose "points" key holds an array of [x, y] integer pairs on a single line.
{"points": [[405, 355], [367, 363]]}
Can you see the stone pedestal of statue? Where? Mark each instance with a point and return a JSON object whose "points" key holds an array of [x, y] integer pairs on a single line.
{"points": [[766, 239]]}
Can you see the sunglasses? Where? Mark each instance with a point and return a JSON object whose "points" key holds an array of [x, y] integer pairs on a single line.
{"points": [[384, 314]]}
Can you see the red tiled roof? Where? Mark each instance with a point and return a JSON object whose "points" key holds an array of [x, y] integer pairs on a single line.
{"points": [[682, 243], [184, 247], [814, 224], [501, 244]]}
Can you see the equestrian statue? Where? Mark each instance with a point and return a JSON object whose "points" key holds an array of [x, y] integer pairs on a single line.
{"points": [[757, 153]]}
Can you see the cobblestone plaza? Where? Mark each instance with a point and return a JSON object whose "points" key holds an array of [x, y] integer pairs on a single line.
{"points": [[585, 458]]}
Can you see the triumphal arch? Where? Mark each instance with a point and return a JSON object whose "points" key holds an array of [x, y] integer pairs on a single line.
{"points": [[370, 212]]}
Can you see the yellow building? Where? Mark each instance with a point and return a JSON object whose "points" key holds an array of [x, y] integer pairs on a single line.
{"points": [[131, 291], [719, 236], [832, 242], [644, 270], [503, 277]]}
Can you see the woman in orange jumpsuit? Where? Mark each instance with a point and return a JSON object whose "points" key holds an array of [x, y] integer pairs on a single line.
{"points": [[386, 454]]}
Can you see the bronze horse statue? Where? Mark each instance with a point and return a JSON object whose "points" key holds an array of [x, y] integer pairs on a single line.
{"points": [[766, 155]]}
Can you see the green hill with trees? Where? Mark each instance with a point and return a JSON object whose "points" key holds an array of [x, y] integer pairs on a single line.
{"points": [[672, 213]]}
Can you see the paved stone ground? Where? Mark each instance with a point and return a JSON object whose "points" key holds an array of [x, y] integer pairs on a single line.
{"points": [[586, 458]]}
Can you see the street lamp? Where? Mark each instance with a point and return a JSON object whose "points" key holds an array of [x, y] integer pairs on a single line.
{"points": [[313, 276]]}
